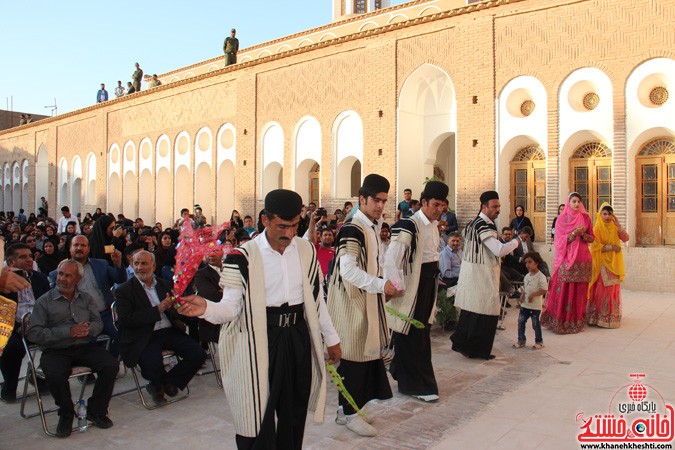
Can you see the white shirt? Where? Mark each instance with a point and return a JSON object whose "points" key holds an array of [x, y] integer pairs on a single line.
{"points": [[151, 292], [498, 248], [283, 284], [429, 237], [63, 222], [349, 268]]}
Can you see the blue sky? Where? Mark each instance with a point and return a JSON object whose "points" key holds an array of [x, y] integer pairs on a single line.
{"points": [[65, 49]]}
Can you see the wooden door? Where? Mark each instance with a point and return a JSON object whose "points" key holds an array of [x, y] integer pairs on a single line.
{"points": [[592, 178], [656, 193], [314, 187], [528, 188], [648, 205]]}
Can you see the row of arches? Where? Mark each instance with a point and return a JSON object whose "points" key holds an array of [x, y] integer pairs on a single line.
{"points": [[14, 183], [144, 178], [347, 157], [599, 149], [77, 183]]}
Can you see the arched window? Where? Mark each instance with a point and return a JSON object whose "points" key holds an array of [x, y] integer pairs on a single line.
{"points": [[528, 186], [656, 193], [591, 175]]}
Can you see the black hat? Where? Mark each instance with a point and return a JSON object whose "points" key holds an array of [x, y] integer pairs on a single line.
{"points": [[283, 203], [486, 196], [435, 190], [375, 183]]}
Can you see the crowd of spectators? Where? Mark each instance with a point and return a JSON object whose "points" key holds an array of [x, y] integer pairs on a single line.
{"points": [[105, 250]]}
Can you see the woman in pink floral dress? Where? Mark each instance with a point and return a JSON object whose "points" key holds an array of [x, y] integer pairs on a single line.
{"points": [[565, 308]]}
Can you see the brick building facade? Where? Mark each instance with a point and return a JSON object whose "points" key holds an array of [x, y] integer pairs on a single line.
{"points": [[496, 94]]}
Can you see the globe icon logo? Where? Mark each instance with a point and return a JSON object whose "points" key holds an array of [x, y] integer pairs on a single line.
{"points": [[637, 392], [640, 427]]}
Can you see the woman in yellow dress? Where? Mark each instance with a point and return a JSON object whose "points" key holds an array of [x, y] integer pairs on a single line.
{"points": [[604, 292]]}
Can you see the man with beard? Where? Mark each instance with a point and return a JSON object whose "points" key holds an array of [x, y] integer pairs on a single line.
{"points": [[478, 285]]}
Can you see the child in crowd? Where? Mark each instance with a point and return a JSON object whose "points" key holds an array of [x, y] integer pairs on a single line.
{"points": [[535, 285]]}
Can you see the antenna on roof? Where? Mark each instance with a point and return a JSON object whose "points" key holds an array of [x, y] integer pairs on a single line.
{"points": [[54, 108]]}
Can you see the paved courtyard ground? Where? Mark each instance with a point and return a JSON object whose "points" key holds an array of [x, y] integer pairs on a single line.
{"points": [[524, 399]]}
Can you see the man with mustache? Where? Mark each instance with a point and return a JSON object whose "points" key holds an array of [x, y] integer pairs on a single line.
{"points": [[275, 325], [478, 285], [65, 323], [413, 254]]}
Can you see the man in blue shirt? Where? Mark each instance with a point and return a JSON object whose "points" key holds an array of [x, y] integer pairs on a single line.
{"points": [[451, 260], [102, 94]]}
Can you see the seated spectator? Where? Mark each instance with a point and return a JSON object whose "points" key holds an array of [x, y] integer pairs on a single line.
{"points": [[106, 236], [98, 213], [444, 235], [199, 217], [449, 217], [385, 238], [20, 261], [248, 225], [235, 220], [165, 255], [96, 280], [450, 260], [86, 229], [148, 324], [50, 258], [241, 236], [65, 322], [207, 284], [414, 207], [130, 88], [65, 219]]}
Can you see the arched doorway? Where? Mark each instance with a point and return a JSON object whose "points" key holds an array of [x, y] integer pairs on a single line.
{"points": [[591, 175], [444, 167], [427, 126], [528, 187], [656, 193]]}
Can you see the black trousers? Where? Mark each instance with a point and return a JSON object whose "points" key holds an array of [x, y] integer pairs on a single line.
{"points": [[475, 334], [10, 362], [57, 365], [192, 356], [290, 378], [411, 366]]}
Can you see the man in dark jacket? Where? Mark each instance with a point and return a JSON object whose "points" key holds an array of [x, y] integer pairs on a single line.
{"points": [[148, 325]]}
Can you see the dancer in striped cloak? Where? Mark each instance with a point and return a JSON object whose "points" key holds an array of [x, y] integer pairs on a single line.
{"points": [[413, 256], [356, 304], [478, 285], [271, 345]]}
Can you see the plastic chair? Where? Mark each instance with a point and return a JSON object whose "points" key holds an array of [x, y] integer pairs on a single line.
{"points": [[35, 373]]}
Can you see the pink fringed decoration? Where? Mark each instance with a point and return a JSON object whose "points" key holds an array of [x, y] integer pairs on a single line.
{"points": [[193, 246]]}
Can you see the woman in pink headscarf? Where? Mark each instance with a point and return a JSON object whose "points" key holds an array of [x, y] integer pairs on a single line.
{"points": [[565, 309]]}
